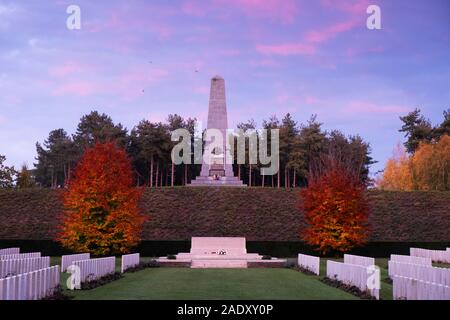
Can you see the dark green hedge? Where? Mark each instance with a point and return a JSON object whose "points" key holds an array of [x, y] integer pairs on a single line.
{"points": [[259, 214]]}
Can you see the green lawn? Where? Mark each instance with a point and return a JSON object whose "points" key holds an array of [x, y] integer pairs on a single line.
{"points": [[185, 283]]}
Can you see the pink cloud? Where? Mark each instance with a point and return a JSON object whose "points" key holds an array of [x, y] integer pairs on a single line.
{"points": [[127, 85], [229, 52], [355, 14], [3, 119], [66, 68], [193, 8], [78, 88], [366, 107], [283, 11], [319, 36], [282, 98], [130, 83], [309, 99], [201, 89], [120, 23], [353, 52], [286, 49], [264, 63], [111, 23], [354, 7]]}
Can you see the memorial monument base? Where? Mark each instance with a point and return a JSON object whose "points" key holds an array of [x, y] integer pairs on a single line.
{"points": [[220, 182], [221, 252]]}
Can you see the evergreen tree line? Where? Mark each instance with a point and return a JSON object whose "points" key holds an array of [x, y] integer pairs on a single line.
{"points": [[149, 146], [424, 163], [418, 129]]}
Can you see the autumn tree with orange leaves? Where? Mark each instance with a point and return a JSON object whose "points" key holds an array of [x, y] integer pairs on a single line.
{"points": [[101, 213], [427, 169], [398, 173], [335, 209]]}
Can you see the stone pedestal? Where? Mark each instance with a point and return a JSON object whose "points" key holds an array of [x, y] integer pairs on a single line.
{"points": [[221, 252]]}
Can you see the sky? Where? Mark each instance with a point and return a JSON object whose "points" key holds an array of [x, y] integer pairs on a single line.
{"points": [[144, 59]]}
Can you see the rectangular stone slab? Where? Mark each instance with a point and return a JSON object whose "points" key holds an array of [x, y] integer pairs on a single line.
{"points": [[217, 245]]}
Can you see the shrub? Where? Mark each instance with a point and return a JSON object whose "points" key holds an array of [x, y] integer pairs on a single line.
{"points": [[144, 265], [101, 281], [348, 288]]}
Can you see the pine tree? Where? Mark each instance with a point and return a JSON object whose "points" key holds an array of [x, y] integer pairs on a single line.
{"points": [[7, 174]]}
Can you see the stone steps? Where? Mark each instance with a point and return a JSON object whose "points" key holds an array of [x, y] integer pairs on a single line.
{"points": [[198, 264], [227, 181], [213, 257]]}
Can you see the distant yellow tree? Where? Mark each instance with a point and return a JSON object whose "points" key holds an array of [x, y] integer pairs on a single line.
{"points": [[397, 173], [431, 165]]}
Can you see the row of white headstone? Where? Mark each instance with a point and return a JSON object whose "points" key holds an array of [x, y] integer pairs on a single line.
{"points": [[359, 260], [414, 276], [33, 285], [412, 260], [310, 263], [29, 276], [357, 271], [20, 255], [94, 269], [405, 288], [9, 251], [360, 276], [129, 261], [68, 260], [435, 255], [420, 272], [15, 267]]}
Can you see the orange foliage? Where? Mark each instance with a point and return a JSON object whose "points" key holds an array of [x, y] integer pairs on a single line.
{"points": [[427, 169], [336, 211], [101, 206], [431, 163], [397, 173]]}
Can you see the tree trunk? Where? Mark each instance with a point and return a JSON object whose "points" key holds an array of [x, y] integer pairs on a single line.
{"points": [[272, 181], [239, 172], [151, 172], [185, 174], [289, 178], [69, 171], [295, 178], [278, 174], [173, 169], [250, 176], [157, 174], [166, 182], [279, 179], [52, 183], [262, 180]]}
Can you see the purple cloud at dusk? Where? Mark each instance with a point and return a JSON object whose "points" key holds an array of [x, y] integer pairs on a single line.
{"points": [[138, 59]]}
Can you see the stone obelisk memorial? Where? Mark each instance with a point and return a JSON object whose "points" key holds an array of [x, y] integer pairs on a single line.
{"points": [[216, 171]]}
